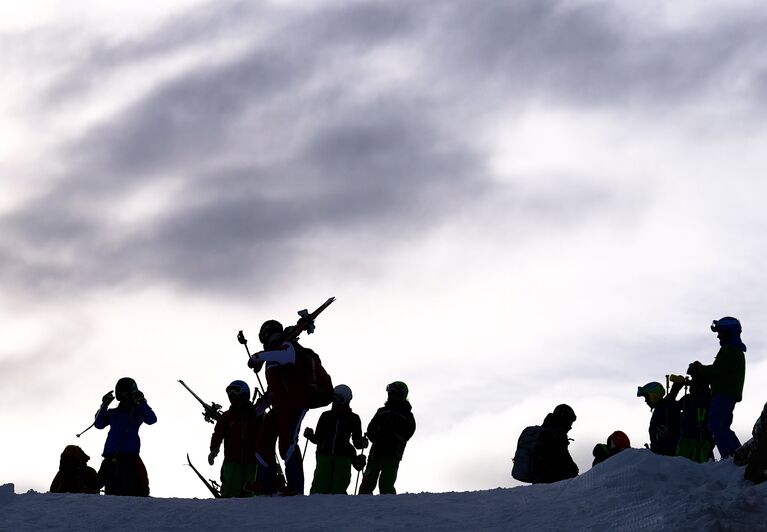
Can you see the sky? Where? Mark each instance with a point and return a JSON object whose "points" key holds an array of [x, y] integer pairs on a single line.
{"points": [[634, 491], [516, 204]]}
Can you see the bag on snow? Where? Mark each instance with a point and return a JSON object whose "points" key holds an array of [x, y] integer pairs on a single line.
{"points": [[317, 382], [524, 457]]}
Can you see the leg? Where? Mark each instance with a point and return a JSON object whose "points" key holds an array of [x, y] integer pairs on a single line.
{"points": [[322, 474], [370, 476], [288, 427], [342, 474], [389, 468], [720, 419], [266, 466]]}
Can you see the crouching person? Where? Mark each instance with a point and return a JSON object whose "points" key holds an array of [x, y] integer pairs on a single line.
{"points": [[75, 475]]}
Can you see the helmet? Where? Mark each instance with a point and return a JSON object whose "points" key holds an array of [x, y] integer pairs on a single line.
{"points": [[238, 388], [654, 391], [618, 440], [397, 390], [269, 328], [75, 453], [124, 388], [728, 325], [565, 413], [342, 394]]}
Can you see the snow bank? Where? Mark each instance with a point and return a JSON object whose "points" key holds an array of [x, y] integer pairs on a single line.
{"points": [[635, 490]]}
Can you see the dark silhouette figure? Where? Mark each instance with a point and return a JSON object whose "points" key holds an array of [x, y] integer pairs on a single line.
{"points": [[695, 441], [122, 471], [238, 430], [552, 461], [75, 475], [616, 442], [389, 431], [666, 419]]}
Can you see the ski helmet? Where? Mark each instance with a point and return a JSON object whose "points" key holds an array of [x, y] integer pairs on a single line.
{"points": [[652, 391], [397, 390], [727, 325], [238, 388], [618, 440], [342, 394], [565, 413], [124, 388], [269, 328]]}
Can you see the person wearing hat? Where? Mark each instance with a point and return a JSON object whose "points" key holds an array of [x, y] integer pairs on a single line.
{"points": [[389, 431], [726, 376], [335, 453], [75, 475], [238, 430], [666, 419], [553, 462], [616, 442]]}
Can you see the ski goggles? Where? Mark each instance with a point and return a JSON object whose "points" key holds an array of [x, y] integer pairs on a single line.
{"points": [[234, 389]]}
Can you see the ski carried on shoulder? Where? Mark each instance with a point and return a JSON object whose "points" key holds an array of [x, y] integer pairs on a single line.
{"points": [[208, 484]]}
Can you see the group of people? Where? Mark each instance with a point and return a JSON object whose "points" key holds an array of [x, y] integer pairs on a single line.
{"points": [[250, 429], [691, 426]]}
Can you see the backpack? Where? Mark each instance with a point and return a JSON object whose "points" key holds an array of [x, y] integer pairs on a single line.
{"points": [[524, 457], [317, 383]]}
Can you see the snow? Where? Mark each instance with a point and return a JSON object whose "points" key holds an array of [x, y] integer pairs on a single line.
{"points": [[635, 490]]}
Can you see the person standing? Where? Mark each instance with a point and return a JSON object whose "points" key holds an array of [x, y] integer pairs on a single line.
{"points": [[666, 419], [238, 430], [726, 377], [335, 454], [122, 471], [389, 431]]}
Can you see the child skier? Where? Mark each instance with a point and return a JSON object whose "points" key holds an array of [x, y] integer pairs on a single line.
{"points": [[666, 416], [75, 475], [335, 455], [238, 429], [389, 430], [122, 470]]}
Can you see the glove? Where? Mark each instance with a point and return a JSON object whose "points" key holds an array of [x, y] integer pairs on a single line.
{"points": [[138, 397], [694, 368], [309, 433], [678, 379], [212, 456], [362, 443], [358, 462], [255, 364], [107, 399]]}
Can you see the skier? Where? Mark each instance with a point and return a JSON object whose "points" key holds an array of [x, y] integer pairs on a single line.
{"points": [[122, 470], [553, 461], [335, 455], [286, 393], [726, 376], [75, 475], [238, 429], [389, 430], [695, 440], [753, 453], [666, 416], [616, 442]]}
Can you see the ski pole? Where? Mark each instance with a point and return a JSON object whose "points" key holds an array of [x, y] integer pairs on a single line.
{"points": [[244, 341], [94, 415], [305, 446], [356, 482], [86, 430]]}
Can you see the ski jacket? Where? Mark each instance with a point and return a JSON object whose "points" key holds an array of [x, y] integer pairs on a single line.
{"points": [[285, 383], [124, 422], [334, 429], [666, 424], [390, 429], [238, 429], [552, 458], [727, 373]]}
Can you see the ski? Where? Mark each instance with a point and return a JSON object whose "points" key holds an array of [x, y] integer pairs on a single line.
{"points": [[212, 411], [208, 484]]}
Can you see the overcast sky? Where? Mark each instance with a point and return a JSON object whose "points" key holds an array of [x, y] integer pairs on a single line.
{"points": [[516, 204]]}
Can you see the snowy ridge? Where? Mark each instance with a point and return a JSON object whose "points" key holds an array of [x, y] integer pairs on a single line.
{"points": [[635, 490]]}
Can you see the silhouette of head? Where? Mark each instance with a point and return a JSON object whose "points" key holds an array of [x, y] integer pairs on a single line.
{"points": [[124, 389]]}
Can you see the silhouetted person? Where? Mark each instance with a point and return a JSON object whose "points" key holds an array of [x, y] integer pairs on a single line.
{"points": [[695, 440], [75, 475], [122, 470], [616, 442], [726, 376], [665, 423], [238, 430], [552, 461], [389, 431], [335, 453]]}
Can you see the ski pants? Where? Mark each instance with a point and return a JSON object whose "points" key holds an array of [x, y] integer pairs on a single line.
{"points": [[719, 421], [124, 474], [234, 476], [281, 424], [381, 471], [332, 474]]}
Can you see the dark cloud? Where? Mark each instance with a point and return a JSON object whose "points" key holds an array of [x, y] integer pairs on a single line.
{"points": [[277, 144]]}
